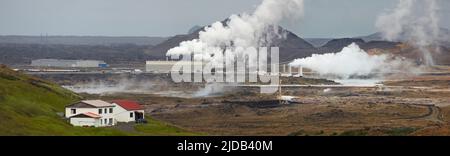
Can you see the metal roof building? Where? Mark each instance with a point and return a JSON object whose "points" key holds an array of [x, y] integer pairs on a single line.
{"points": [[166, 66], [68, 63]]}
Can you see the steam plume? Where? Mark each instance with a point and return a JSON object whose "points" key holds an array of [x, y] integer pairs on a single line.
{"points": [[415, 21], [243, 30], [352, 61]]}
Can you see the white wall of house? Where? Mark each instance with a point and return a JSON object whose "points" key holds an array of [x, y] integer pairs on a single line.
{"points": [[85, 122], [123, 115], [107, 117]]}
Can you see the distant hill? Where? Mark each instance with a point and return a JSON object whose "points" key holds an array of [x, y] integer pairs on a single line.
{"points": [[336, 45], [372, 37], [22, 54], [81, 40], [194, 29], [158, 52], [318, 42], [441, 57], [444, 37], [20, 50], [386, 45]]}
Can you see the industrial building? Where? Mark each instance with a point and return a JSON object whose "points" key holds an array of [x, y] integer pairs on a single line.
{"points": [[290, 71], [166, 66], [69, 63]]}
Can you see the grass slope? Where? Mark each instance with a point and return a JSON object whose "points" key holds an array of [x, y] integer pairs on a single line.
{"points": [[29, 106]]}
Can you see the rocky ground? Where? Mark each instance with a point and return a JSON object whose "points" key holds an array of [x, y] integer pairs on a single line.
{"points": [[341, 111], [415, 105]]}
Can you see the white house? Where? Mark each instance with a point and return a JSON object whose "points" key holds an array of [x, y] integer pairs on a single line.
{"points": [[128, 111], [95, 113]]}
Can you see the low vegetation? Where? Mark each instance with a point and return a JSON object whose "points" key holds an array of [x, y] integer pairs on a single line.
{"points": [[155, 127], [396, 131]]}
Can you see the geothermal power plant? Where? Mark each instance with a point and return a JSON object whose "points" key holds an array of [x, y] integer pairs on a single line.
{"points": [[249, 74]]}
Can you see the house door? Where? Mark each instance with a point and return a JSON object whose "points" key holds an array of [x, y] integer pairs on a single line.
{"points": [[138, 116]]}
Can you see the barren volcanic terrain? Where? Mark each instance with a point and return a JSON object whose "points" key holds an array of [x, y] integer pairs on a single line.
{"points": [[414, 105]]}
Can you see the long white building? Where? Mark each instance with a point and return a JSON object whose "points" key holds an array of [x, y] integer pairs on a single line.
{"points": [[68, 63], [166, 66]]}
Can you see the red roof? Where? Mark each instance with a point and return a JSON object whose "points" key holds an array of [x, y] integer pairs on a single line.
{"points": [[128, 105], [88, 114]]}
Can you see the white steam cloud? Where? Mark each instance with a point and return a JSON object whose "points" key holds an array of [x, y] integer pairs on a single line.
{"points": [[416, 21], [105, 88], [210, 90], [237, 34], [243, 30], [351, 61], [140, 87]]}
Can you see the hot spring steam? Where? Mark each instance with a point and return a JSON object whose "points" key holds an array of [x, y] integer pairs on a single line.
{"points": [[414, 21], [241, 31], [352, 61]]}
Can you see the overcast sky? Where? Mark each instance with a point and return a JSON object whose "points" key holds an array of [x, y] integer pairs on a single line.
{"points": [[323, 18]]}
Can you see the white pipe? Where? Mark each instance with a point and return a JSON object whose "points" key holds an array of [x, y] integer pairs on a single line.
{"points": [[300, 71], [290, 70]]}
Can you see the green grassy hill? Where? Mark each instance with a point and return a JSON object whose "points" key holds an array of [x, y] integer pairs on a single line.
{"points": [[30, 106]]}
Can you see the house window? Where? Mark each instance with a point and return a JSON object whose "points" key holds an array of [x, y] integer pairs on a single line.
{"points": [[131, 114], [110, 121], [106, 111], [106, 121], [73, 111], [100, 111], [110, 110], [101, 122]]}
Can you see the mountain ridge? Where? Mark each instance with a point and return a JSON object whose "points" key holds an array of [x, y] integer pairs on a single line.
{"points": [[81, 40]]}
